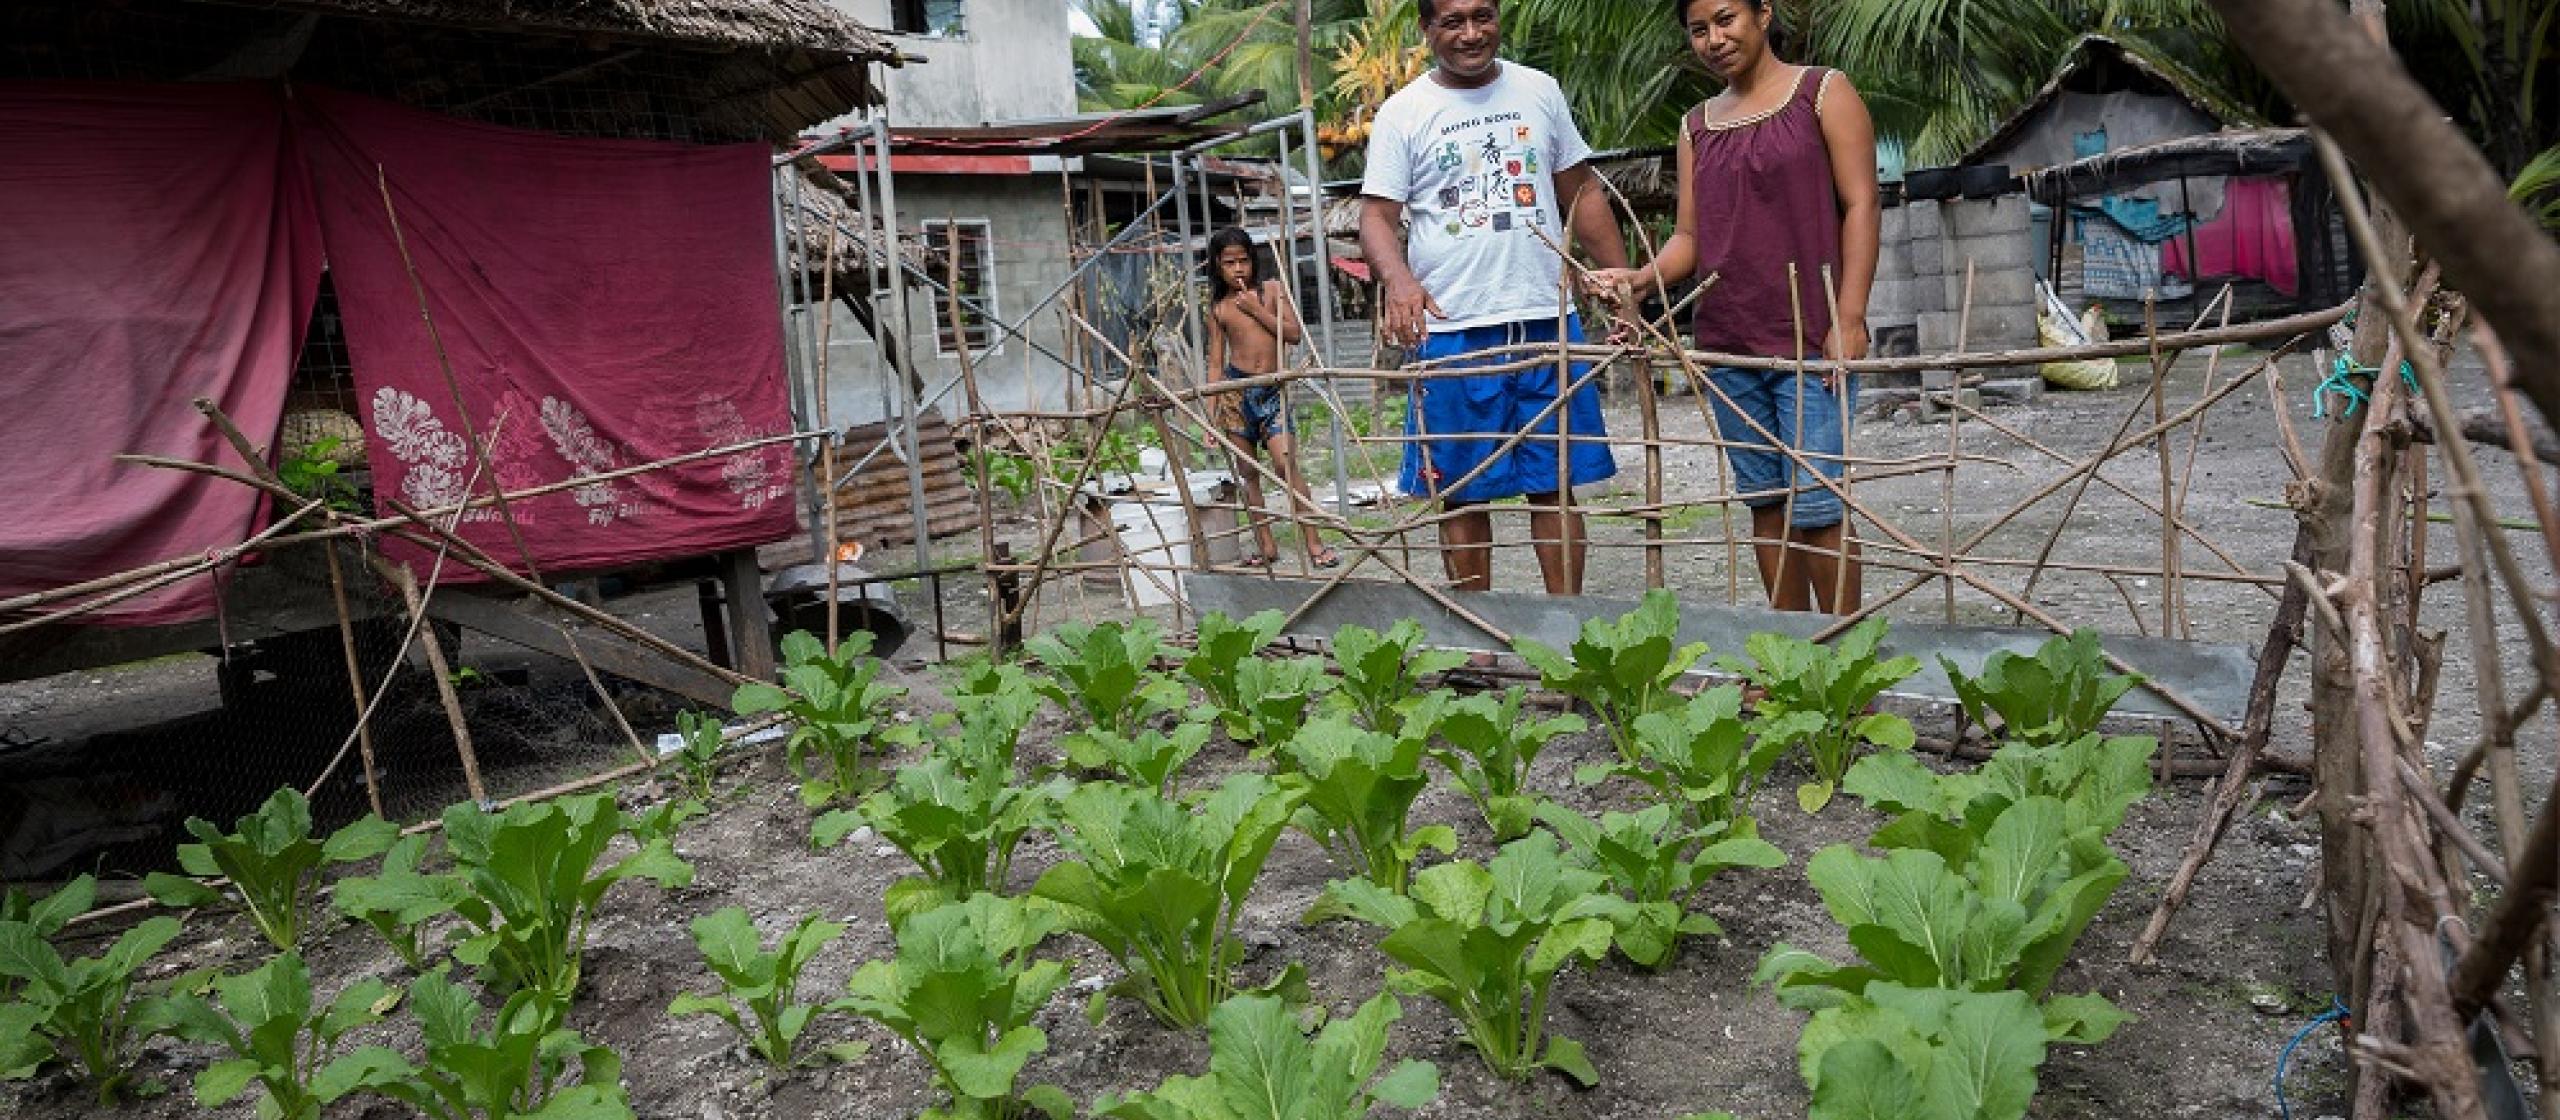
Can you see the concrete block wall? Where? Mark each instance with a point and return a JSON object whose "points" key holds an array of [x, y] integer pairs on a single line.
{"points": [[1920, 273]]}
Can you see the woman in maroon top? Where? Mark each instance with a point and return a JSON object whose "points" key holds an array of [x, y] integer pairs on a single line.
{"points": [[1777, 185]]}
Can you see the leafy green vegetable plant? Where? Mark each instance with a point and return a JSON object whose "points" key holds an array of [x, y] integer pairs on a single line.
{"points": [[1819, 696], [1148, 758], [1699, 759], [1105, 672], [1491, 747], [1987, 881], [2095, 779], [398, 899], [1487, 940], [962, 991], [2055, 696], [520, 1064], [1623, 667], [1159, 886], [841, 711], [1382, 672], [1658, 865], [313, 472], [1272, 698], [44, 916], [1262, 1066], [277, 1040], [959, 826], [1359, 788], [533, 878], [995, 703], [762, 987], [698, 760], [1924, 1054], [1222, 647], [272, 861], [87, 1009]]}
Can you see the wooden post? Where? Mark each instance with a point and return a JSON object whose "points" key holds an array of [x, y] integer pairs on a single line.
{"points": [[750, 632]]}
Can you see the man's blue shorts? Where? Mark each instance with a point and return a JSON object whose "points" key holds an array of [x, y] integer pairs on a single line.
{"points": [[1762, 473], [1492, 406]]}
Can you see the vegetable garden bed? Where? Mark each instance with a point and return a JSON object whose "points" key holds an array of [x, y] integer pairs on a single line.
{"points": [[1176, 829]]}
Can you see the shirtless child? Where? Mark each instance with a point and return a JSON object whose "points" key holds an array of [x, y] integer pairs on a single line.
{"points": [[1250, 319]]}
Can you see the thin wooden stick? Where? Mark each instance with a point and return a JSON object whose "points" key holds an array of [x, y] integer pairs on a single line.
{"points": [[209, 563], [2176, 514], [355, 680], [399, 576], [2168, 483], [2184, 525], [1955, 442]]}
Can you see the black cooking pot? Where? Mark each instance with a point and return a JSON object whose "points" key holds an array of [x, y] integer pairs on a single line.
{"points": [[1983, 180], [1932, 182]]}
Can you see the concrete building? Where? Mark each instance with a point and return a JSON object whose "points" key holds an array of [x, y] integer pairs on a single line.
{"points": [[972, 63]]}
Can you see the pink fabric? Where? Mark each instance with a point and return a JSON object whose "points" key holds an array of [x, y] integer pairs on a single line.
{"points": [[2252, 237], [602, 303], [156, 245]]}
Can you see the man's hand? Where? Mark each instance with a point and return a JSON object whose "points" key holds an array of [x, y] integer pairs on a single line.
{"points": [[1406, 305]]}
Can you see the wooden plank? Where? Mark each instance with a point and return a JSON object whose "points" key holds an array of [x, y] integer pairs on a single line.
{"points": [[527, 623]]}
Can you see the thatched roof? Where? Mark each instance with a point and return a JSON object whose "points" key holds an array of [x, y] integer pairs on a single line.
{"points": [[2096, 50], [767, 24], [2257, 151], [686, 70], [826, 212]]}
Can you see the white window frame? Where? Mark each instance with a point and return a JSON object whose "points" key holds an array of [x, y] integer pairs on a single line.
{"points": [[986, 298]]}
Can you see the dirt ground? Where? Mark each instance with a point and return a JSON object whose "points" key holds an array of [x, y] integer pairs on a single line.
{"points": [[2241, 970]]}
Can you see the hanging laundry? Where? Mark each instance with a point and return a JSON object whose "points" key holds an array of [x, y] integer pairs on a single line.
{"points": [[2115, 264], [2252, 238]]}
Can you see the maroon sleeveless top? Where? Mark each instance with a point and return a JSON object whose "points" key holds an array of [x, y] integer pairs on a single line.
{"points": [[1762, 196]]}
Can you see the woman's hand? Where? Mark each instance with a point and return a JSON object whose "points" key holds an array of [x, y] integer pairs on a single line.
{"points": [[1619, 287], [1847, 342]]}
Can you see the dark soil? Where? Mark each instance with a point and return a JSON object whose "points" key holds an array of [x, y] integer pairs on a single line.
{"points": [[2239, 973]]}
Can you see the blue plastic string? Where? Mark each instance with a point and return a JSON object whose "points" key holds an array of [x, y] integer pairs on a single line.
{"points": [[2341, 383], [2337, 1012]]}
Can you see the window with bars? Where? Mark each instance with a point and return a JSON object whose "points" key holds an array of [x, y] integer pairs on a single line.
{"points": [[939, 18], [973, 283]]}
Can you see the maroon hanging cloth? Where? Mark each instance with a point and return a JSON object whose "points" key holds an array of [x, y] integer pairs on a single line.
{"points": [[156, 245], [602, 304]]}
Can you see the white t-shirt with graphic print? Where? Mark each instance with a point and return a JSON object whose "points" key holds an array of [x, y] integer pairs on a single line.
{"points": [[1475, 170]]}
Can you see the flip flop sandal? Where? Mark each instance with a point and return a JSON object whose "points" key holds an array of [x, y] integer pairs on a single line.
{"points": [[1330, 560]]}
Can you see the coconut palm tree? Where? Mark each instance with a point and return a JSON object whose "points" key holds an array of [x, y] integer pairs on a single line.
{"points": [[2494, 65], [1940, 74], [1133, 62]]}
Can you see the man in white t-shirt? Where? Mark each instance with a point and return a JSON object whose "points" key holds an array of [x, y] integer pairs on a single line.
{"points": [[1477, 158]]}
